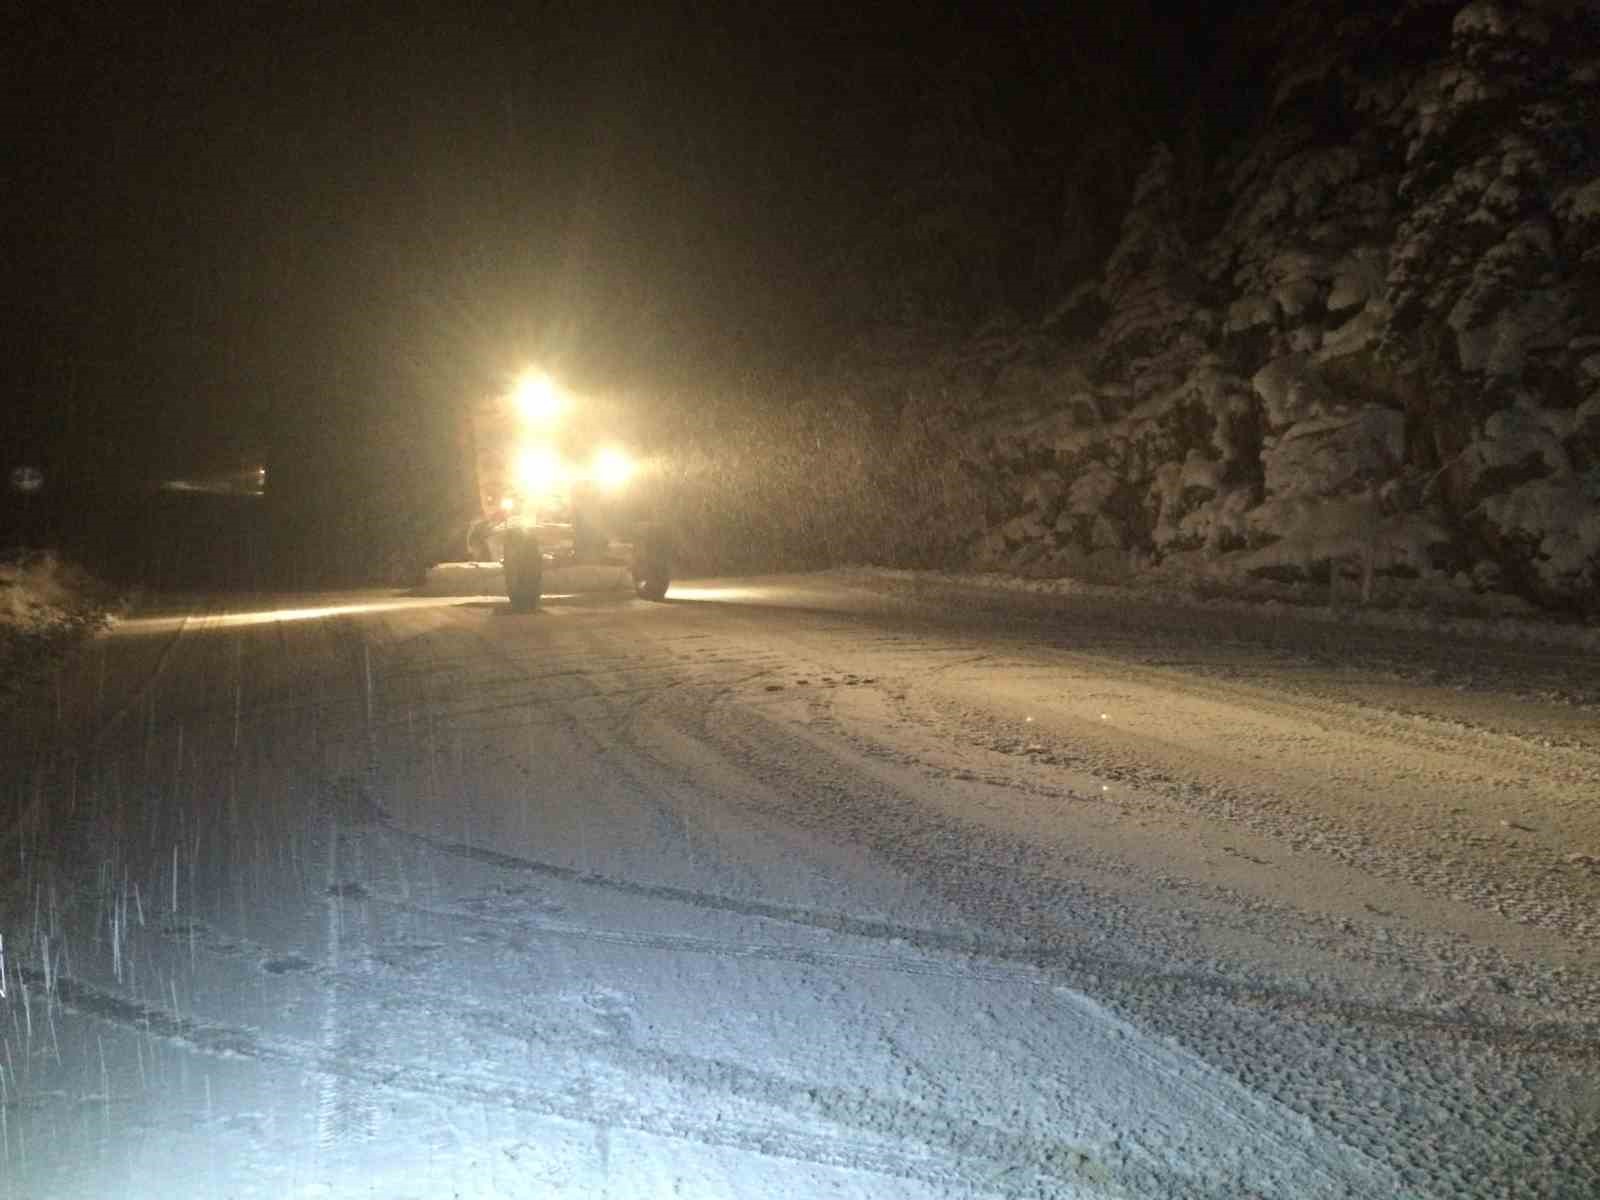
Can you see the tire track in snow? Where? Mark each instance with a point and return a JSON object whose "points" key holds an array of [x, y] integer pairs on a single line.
{"points": [[584, 1102], [595, 714], [836, 794], [1060, 953], [768, 749], [342, 1113], [752, 951], [952, 1150], [1074, 963], [1546, 893], [1549, 891], [840, 922], [1574, 764]]}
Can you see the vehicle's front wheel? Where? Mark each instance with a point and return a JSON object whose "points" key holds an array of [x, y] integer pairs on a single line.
{"points": [[652, 584], [652, 559], [524, 569]]}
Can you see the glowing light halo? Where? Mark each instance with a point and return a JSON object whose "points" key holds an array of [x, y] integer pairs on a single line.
{"points": [[611, 468], [536, 397], [540, 470]]}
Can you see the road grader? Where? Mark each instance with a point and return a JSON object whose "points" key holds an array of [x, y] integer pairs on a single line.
{"points": [[562, 509]]}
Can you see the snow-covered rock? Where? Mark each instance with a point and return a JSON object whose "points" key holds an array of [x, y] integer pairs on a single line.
{"points": [[39, 591]]}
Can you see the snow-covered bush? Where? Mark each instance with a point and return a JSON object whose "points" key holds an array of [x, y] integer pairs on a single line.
{"points": [[46, 607]]}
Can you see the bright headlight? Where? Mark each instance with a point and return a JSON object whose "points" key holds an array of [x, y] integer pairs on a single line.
{"points": [[537, 399], [540, 471], [611, 468]]}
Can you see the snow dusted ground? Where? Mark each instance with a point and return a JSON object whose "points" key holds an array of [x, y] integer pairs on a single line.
{"points": [[858, 885]]}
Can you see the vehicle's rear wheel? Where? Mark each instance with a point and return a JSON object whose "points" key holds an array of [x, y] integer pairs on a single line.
{"points": [[524, 569]]}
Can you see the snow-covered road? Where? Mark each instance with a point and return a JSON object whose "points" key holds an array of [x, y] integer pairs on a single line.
{"points": [[843, 885]]}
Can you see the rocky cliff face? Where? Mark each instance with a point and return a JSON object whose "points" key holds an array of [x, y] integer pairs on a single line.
{"points": [[1365, 341]]}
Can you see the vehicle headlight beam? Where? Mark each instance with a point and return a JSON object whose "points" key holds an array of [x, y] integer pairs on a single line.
{"points": [[611, 468]]}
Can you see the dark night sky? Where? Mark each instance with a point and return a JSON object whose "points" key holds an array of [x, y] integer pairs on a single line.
{"points": [[222, 222]]}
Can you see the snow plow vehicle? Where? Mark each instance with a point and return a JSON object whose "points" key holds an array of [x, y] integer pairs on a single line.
{"points": [[562, 511]]}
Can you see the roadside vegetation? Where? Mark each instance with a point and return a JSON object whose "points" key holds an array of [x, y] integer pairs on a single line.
{"points": [[47, 608]]}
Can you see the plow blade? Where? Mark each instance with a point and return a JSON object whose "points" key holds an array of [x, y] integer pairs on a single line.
{"points": [[489, 579], [464, 579]]}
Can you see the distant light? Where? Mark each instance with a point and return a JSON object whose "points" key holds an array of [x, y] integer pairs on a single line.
{"points": [[244, 481], [508, 504], [26, 480], [536, 398]]}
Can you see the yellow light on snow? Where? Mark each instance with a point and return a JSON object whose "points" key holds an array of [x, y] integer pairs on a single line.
{"points": [[537, 399], [168, 625], [612, 468], [539, 470]]}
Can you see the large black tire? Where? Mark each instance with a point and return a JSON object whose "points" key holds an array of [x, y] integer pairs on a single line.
{"points": [[652, 585], [524, 570], [652, 570]]}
